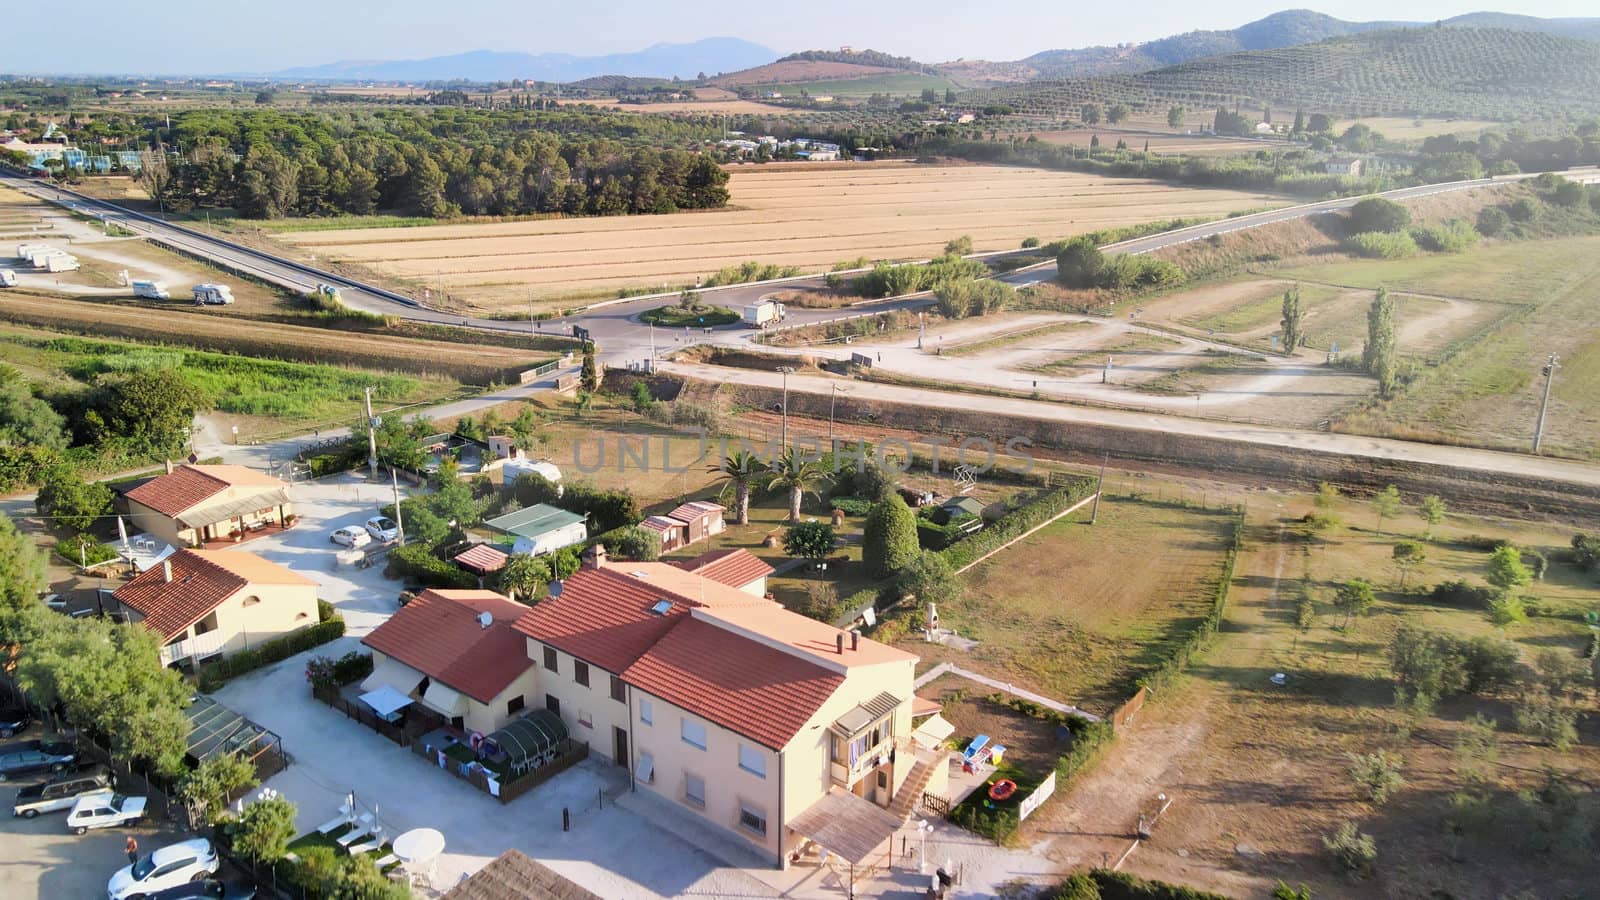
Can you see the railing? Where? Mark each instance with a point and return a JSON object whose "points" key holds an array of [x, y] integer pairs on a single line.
{"points": [[936, 804], [848, 775], [402, 735], [506, 789], [198, 647]]}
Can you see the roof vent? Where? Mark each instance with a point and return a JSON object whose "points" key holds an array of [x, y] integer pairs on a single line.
{"points": [[485, 619], [661, 607]]}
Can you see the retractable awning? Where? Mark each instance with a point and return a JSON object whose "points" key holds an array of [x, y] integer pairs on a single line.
{"points": [[386, 700], [390, 671], [446, 700], [202, 516], [930, 734]]}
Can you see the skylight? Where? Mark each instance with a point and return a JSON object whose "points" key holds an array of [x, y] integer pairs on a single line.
{"points": [[661, 607]]}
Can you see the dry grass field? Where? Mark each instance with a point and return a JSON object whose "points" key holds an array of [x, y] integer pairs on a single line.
{"points": [[711, 107], [808, 215], [1191, 144]]}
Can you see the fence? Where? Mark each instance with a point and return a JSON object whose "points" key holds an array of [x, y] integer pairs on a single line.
{"points": [[1129, 709], [403, 735], [507, 790]]}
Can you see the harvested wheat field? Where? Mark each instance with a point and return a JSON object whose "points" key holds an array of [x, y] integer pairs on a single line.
{"points": [[810, 215], [1192, 144]]}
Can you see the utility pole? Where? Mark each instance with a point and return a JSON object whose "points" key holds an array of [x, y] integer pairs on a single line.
{"points": [[372, 435], [1100, 488], [783, 442], [1550, 368], [399, 523], [833, 397]]}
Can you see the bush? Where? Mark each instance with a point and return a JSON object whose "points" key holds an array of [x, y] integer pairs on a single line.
{"points": [[1507, 610], [811, 540], [1353, 852], [1546, 718], [1381, 245], [852, 506], [416, 562], [1377, 214], [635, 542], [1454, 236], [933, 536], [1028, 243], [1492, 220], [214, 674], [1377, 775], [928, 578], [889, 537], [1104, 884], [264, 830], [1523, 210], [1462, 593], [1586, 552]]}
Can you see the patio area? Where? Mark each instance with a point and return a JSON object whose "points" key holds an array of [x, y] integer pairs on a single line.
{"points": [[248, 533]]}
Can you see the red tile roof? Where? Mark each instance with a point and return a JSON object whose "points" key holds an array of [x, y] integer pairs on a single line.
{"points": [[744, 686], [439, 635], [603, 617], [187, 486], [695, 509], [200, 582], [737, 567]]}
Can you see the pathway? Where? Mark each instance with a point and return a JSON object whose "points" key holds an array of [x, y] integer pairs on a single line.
{"points": [[952, 669]]}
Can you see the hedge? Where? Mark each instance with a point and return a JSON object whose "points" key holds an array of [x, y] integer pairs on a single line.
{"points": [[1104, 884], [1199, 639], [213, 675], [852, 506], [933, 536], [418, 562], [1017, 522]]}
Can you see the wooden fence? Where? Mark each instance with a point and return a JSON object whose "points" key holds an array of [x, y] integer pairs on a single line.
{"points": [[508, 789], [1129, 709], [400, 734]]}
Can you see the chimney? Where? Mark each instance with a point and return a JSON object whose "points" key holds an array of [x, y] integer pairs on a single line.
{"points": [[838, 641], [596, 557], [855, 640], [166, 571], [169, 467]]}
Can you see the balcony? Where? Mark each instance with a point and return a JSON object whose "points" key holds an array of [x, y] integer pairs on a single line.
{"points": [[194, 648]]}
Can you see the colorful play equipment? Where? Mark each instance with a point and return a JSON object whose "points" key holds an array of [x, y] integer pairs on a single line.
{"points": [[1002, 789]]}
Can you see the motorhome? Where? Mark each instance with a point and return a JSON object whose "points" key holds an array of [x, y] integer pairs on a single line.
{"points": [[212, 295], [8, 278], [151, 290]]}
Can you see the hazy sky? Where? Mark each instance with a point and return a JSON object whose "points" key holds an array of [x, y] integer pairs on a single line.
{"points": [[206, 36]]}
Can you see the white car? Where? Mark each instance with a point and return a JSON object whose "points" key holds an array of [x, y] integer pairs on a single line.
{"points": [[104, 810], [382, 529], [350, 536], [171, 866]]}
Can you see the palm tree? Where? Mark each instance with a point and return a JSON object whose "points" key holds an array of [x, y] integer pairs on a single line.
{"points": [[795, 471], [739, 470]]}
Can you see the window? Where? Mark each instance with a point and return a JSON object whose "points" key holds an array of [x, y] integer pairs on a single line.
{"points": [[550, 659], [619, 692], [552, 704], [753, 760], [647, 712], [694, 790], [752, 819], [694, 734], [580, 672], [251, 600], [585, 719], [514, 705]]}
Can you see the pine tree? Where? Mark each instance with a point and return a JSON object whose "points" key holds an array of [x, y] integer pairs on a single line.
{"points": [[590, 375], [1299, 121], [1292, 315], [1378, 356]]}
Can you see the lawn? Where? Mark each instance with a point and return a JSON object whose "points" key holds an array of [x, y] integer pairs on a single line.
{"points": [[1063, 612], [698, 315]]}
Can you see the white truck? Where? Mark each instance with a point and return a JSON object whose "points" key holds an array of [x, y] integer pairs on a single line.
{"points": [[38, 253], [151, 290], [8, 278], [212, 295], [61, 262], [764, 314]]}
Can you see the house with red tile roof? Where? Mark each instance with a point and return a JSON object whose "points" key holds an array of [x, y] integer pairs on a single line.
{"points": [[735, 567], [205, 603], [727, 704], [457, 653], [195, 505]]}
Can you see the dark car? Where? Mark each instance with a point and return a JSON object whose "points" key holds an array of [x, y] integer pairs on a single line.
{"points": [[209, 889], [62, 791], [13, 719], [47, 756]]}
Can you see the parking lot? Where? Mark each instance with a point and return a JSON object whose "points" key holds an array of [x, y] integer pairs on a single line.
{"points": [[42, 859]]}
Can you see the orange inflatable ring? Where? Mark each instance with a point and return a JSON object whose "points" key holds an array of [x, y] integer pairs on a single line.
{"points": [[1002, 789]]}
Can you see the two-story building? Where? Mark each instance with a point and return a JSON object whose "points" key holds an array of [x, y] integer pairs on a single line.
{"points": [[730, 706]]}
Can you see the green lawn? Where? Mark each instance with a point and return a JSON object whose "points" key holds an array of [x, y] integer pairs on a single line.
{"points": [[696, 316], [1523, 272]]}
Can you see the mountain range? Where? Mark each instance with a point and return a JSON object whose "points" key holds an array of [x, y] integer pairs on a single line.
{"points": [[709, 56]]}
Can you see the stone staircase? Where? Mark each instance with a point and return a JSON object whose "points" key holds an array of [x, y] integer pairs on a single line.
{"points": [[910, 795]]}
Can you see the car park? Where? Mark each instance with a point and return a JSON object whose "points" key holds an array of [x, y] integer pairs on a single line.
{"points": [[62, 791], [383, 528], [209, 889], [43, 756], [171, 866], [13, 719], [350, 536], [104, 810]]}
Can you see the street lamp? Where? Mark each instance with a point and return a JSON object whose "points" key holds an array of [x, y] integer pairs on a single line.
{"points": [[783, 441], [1550, 368], [833, 397], [924, 828]]}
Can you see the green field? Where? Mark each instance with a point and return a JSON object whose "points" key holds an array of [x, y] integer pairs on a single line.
{"points": [[1526, 272]]}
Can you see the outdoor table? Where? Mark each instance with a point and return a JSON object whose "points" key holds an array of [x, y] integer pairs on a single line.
{"points": [[419, 847]]}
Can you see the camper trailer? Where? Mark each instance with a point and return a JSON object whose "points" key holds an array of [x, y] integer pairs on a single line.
{"points": [[212, 295], [151, 290], [8, 278], [61, 262]]}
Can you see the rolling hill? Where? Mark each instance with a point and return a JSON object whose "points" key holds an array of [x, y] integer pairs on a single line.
{"points": [[659, 61], [1289, 28], [1488, 73]]}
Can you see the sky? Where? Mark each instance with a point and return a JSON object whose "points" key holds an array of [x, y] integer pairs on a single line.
{"points": [[206, 37]]}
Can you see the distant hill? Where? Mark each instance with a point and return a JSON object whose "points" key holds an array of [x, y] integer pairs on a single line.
{"points": [[800, 71], [1289, 28], [687, 61], [1490, 73]]}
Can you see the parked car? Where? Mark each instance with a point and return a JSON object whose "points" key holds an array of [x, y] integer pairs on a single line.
{"points": [[62, 791], [54, 757], [13, 719], [383, 528], [171, 866], [104, 809], [210, 889], [350, 536]]}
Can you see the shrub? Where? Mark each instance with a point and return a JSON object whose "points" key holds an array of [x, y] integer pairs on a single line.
{"points": [[1462, 593], [416, 562], [1523, 210], [811, 540], [1104, 884], [928, 578], [1492, 220], [1079, 262], [889, 537], [1353, 852], [1546, 718], [1381, 245], [264, 830], [1454, 236], [852, 506], [1507, 610], [209, 786], [1377, 775], [1028, 243], [1377, 214], [635, 542], [933, 536], [1586, 552], [213, 674]]}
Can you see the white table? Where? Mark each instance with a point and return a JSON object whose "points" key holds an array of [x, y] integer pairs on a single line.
{"points": [[419, 848]]}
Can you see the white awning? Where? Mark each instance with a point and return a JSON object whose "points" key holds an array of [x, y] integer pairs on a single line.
{"points": [[932, 733], [647, 768], [444, 700], [386, 700], [398, 675]]}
